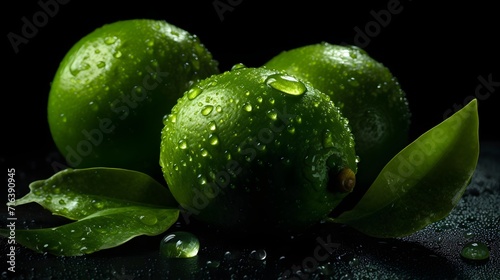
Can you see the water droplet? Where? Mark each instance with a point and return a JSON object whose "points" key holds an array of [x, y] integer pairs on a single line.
{"points": [[98, 204], [110, 40], [213, 139], [353, 54], [203, 152], [328, 139], [353, 82], [238, 66], [148, 220], [286, 84], [207, 110], [259, 254], [213, 264], [150, 42], [212, 126], [193, 92], [272, 115], [475, 251], [182, 144], [179, 245], [118, 54], [247, 107], [101, 64], [62, 202]]}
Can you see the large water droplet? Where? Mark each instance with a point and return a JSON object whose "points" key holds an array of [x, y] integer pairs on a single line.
{"points": [[207, 110], [212, 126], [247, 107], [182, 144], [475, 251], [179, 245], [238, 66], [286, 84], [193, 92], [148, 220], [259, 254], [214, 140], [110, 40]]}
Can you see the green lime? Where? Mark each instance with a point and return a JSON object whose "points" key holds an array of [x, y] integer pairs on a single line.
{"points": [[113, 87], [252, 150], [365, 90]]}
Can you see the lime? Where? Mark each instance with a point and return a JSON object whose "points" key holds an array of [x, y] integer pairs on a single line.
{"points": [[365, 90], [253, 149], [113, 87]]}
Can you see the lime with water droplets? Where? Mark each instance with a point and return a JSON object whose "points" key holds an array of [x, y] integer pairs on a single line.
{"points": [[274, 154], [368, 95], [113, 87]]}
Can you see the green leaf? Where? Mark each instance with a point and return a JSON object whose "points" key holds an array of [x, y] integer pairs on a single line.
{"points": [[423, 182], [101, 230], [78, 193]]}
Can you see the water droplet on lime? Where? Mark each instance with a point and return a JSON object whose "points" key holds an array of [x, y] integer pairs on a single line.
{"points": [[101, 64], [193, 92], [207, 110], [182, 144], [213, 139], [110, 40], [286, 84], [247, 107]]}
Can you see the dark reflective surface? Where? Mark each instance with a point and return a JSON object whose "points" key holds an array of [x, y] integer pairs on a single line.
{"points": [[441, 59], [324, 252]]}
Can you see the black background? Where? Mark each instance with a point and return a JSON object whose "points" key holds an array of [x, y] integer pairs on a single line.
{"points": [[437, 51]]}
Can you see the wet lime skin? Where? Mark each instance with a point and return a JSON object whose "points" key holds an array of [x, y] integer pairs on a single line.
{"points": [[114, 86], [369, 96], [254, 150]]}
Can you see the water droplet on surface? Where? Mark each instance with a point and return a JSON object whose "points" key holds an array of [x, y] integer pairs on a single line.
{"points": [[272, 114], [328, 139], [475, 251], [110, 40], [238, 66], [212, 126], [148, 220], [259, 254], [286, 84], [182, 144], [207, 110], [247, 107], [118, 54], [193, 92], [179, 245], [213, 140], [101, 64]]}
